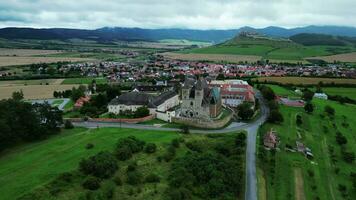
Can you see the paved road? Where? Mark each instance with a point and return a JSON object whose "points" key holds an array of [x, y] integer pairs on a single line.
{"points": [[251, 177], [251, 128]]}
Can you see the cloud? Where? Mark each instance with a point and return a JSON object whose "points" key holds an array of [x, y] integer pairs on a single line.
{"points": [[197, 14]]}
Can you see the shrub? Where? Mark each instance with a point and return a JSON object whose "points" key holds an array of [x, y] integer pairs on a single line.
{"points": [[132, 167], [340, 139], [309, 108], [123, 153], [102, 165], [134, 178], [131, 142], [141, 112], [245, 111], [275, 116], [108, 190], [150, 148], [169, 155], [117, 180], [89, 146], [348, 157], [195, 146], [179, 194], [329, 110], [184, 129], [152, 178], [91, 183], [175, 142], [68, 124]]}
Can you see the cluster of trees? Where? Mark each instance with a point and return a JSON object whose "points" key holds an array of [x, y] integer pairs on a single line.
{"points": [[245, 111], [21, 121], [274, 116], [74, 93], [209, 174], [308, 97], [126, 147]]}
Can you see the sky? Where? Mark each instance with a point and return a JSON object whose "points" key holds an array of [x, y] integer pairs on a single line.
{"points": [[193, 14]]}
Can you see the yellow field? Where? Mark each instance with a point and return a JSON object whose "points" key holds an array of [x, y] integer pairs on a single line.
{"points": [[212, 57], [26, 52], [346, 57], [14, 60], [33, 91], [305, 80]]}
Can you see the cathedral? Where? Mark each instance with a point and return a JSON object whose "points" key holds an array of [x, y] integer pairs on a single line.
{"points": [[199, 101]]}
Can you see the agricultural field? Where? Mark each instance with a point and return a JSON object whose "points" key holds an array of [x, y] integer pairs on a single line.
{"points": [[345, 92], [34, 91], [31, 82], [212, 57], [305, 80], [346, 57], [290, 175], [84, 80], [26, 60], [31, 169], [26, 52], [88, 55]]}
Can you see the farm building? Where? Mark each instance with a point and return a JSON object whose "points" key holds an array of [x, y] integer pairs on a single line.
{"points": [[270, 140], [321, 96]]}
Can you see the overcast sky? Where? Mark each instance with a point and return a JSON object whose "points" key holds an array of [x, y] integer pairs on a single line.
{"points": [[195, 14]]}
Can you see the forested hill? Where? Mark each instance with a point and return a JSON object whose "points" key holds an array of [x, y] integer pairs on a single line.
{"points": [[309, 39], [117, 33]]}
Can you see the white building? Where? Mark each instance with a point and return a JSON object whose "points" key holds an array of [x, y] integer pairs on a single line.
{"points": [[161, 105], [321, 96]]}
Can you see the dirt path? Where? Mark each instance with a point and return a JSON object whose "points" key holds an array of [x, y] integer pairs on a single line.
{"points": [[299, 184]]}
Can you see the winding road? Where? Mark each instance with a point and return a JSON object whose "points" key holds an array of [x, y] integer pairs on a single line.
{"points": [[251, 128]]}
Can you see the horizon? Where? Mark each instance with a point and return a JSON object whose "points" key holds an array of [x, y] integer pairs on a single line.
{"points": [[185, 14]]}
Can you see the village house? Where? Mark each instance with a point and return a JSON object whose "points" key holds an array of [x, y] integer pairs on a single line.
{"points": [[321, 96], [81, 101], [270, 140]]}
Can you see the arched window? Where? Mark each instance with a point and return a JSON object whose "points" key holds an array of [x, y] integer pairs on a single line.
{"points": [[191, 103]]}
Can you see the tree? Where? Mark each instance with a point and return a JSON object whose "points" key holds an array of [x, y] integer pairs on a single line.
{"points": [[309, 107], [17, 95], [150, 148], [275, 116], [102, 165], [78, 92], [245, 111], [299, 120], [152, 178], [308, 95], [329, 110], [268, 93], [68, 124], [340, 139], [141, 112], [91, 183]]}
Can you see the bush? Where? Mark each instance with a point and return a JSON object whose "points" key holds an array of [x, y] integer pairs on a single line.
{"points": [[108, 190], [89, 146], [329, 110], [117, 180], [141, 112], [195, 146], [152, 178], [184, 129], [275, 116], [309, 108], [132, 167], [170, 154], [134, 178], [340, 139], [245, 111], [91, 183], [131, 142], [123, 153], [102, 165], [150, 148], [179, 194], [175, 143], [68, 124]]}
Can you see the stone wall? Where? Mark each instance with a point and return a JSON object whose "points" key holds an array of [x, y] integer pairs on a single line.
{"points": [[212, 124], [131, 121]]}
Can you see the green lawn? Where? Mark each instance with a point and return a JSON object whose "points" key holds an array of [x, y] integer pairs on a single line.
{"points": [[26, 167], [69, 105], [281, 91], [345, 92], [84, 80], [318, 133]]}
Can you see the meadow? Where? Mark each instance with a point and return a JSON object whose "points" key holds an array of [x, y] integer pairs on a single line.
{"points": [[28, 169], [304, 80], [345, 57], [26, 60], [289, 175], [346, 92]]}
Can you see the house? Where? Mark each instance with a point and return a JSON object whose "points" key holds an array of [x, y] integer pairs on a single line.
{"points": [[199, 101], [270, 140], [321, 96], [234, 92], [81, 101], [161, 105]]}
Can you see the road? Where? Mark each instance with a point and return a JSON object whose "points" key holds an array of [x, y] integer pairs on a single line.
{"points": [[251, 128]]}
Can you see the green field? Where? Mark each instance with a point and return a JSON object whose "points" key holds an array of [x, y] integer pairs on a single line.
{"points": [[345, 92], [30, 166], [29, 169], [281, 91], [317, 132], [84, 80], [276, 50]]}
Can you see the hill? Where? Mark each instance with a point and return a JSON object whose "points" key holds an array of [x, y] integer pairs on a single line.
{"points": [[295, 49], [127, 34], [310, 39]]}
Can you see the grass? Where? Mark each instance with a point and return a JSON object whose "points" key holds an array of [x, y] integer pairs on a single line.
{"points": [[281, 91], [304, 80], [69, 105], [84, 80], [318, 133], [57, 102], [92, 55], [346, 92], [29, 166]]}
